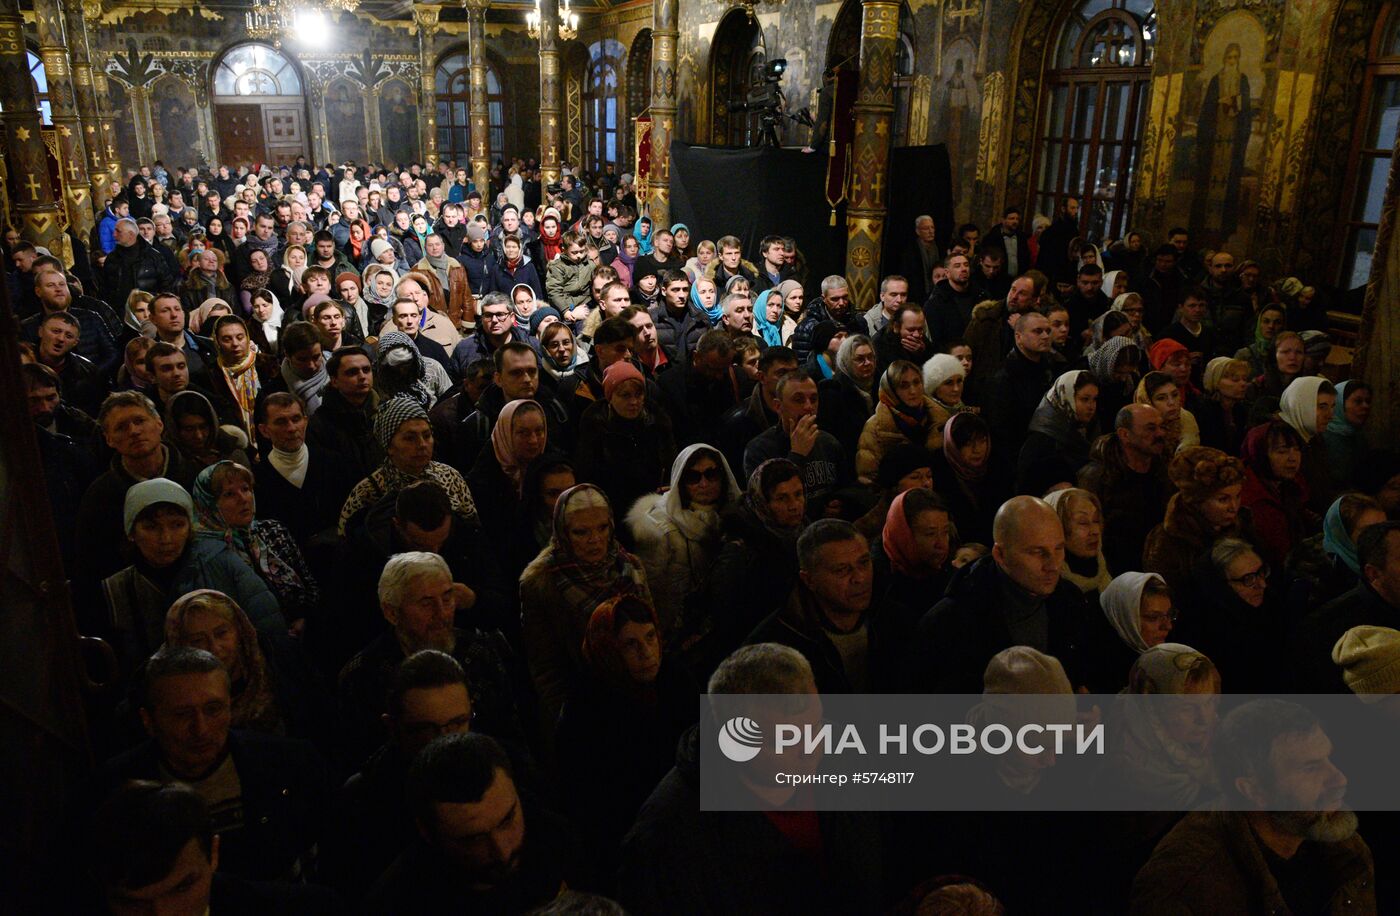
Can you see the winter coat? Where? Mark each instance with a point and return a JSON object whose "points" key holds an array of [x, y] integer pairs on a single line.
{"points": [[137, 267], [824, 468], [987, 334], [568, 284], [881, 433], [625, 458], [501, 279], [674, 334], [1132, 502], [1213, 862], [1017, 390], [949, 311], [1313, 637], [843, 411], [853, 322], [478, 265], [1279, 512], [1172, 548], [677, 549], [339, 428]]}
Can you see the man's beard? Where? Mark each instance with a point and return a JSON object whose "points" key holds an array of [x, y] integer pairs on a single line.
{"points": [[1319, 826]]}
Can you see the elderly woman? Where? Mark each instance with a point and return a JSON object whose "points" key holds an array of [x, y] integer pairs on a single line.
{"points": [[401, 425], [617, 734], [1137, 615], [1238, 619], [847, 400], [1081, 516], [1115, 368], [1223, 412], [167, 562], [1061, 431], [1205, 508], [624, 444], [401, 370], [1345, 436], [904, 414], [497, 479], [225, 512], [270, 688], [1308, 405], [677, 533], [583, 566], [193, 429], [1130, 304]]}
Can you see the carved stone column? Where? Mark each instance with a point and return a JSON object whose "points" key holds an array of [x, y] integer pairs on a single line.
{"points": [[480, 118], [865, 217], [663, 108], [81, 58], [68, 127], [425, 16], [549, 92], [26, 157], [108, 132]]}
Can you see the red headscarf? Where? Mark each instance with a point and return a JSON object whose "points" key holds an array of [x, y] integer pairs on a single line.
{"points": [[898, 540], [600, 645], [550, 243]]}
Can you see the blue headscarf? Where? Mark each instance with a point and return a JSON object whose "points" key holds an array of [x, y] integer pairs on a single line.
{"points": [[1340, 425], [713, 313], [1336, 541], [644, 240], [772, 334]]}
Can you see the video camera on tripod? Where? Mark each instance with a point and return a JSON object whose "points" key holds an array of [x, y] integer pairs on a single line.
{"points": [[767, 101]]}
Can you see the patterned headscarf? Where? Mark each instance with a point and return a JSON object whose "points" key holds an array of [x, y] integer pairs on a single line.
{"points": [[757, 500], [254, 702], [584, 586], [244, 541], [392, 414]]}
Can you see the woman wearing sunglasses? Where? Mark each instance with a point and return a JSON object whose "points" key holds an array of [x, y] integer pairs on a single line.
{"points": [[677, 533]]}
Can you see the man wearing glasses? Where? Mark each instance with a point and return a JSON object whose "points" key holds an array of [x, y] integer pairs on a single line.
{"points": [[495, 327]]}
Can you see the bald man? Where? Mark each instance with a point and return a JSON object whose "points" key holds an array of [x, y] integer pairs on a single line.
{"points": [[1013, 597]]}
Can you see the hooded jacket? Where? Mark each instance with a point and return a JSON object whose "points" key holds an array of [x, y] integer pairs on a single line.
{"points": [[567, 284]]}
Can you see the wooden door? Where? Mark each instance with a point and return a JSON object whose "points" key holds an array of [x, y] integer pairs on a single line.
{"points": [[240, 134], [284, 131]]}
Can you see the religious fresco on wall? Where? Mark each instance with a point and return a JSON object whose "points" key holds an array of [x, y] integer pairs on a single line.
{"points": [[957, 99], [175, 117], [398, 122], [1225, 115], [345, 122], [123, 124]]}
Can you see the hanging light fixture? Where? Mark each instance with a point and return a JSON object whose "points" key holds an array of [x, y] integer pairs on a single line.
{"points": [[568, 23], [343, 6], [532, 22], [263, 21]]}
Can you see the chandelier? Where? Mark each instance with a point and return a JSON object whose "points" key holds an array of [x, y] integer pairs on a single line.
{"points": [[263, 21], [568, 22], [274, 20]]}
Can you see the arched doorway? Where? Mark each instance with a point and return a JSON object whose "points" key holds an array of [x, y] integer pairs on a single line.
{"points": [[736, 67], [259, 106], [638, 87]]}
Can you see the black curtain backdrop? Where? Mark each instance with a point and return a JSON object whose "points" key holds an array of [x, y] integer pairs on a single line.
{"points": [[753, 192]]}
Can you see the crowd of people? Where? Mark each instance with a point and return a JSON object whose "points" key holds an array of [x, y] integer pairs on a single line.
{"points": [[420, 519]]}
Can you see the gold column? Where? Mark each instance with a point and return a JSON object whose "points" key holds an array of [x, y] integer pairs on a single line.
{"points": [[549, 92], [425, 16], [68, 127], [480, 120], [81, 58], [108, 131], [865, 218], [26, 157], [663, 108], [1377, 359]]}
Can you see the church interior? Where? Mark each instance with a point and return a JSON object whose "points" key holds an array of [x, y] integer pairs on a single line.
{"points": [[1239, 154]]}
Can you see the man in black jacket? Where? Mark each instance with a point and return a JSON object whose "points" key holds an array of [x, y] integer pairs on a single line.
{"points": [[1028, 372], [516, 376], [133, 264], [1008, 237], [759, 411], [344, 423], [675, 319], [95, 341], [1375, 601], [1015, 597], [949, 307], [301, 487], [267, 795], [699, 394], [834, 305]]}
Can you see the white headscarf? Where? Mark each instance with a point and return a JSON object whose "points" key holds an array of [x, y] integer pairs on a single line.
{"points": [[1109, 279], [1297, 406], [1122, 605], [696, 522]]}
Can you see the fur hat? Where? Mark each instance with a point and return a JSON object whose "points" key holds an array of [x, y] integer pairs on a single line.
{"points": [[1199, 471], [1370, 661]]}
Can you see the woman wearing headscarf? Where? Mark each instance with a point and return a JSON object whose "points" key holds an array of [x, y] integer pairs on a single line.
{"points": [[1137, 614], [968, 477], [201, 320], [677, 534], [192, 428], [1275, 492], [768, 316], [641, 231], [225, 512], [1260, 353], [626, 261], [1286, 363], [401, 371], [497, 480], [551, 236], [617, 734], [378, 294], [1115, 283], [270, 688], [846, 400], [1346, 518], [1130, 304], [1205, 508], [401, 425], [903, 414], [357, 245], [945, 379], [1081, 517], [285, 280], [583, 566], [1344, 436], [265, 317], [911, 557], [561, 354], [705, 300], [166, 562], [683, 249], [1308, 405], [1222, 413], [515, 190], [136, 314], [1060, 433], [1159, 390], [1115, 367]]}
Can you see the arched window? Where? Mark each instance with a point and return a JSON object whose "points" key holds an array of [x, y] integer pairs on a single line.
{"points": [[453, 81], [255, 69], [600, 104], [41, 88], [1371, 153], [1095, 102]]}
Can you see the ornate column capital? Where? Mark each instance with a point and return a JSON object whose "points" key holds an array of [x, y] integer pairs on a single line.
{"points": [[425, 15], [476, 7]]}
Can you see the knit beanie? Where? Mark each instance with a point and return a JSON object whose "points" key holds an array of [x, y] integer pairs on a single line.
{"points": [[1370, 661], [822, 333], [538, 316], [475, 231], [1199, 471], [1021, 669], [900, 461], [616, 374], [348, 275], [379, 246], [141, 496]]}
